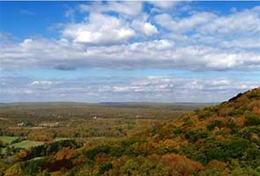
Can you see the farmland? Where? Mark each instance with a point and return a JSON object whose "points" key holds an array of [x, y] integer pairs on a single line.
{"points": [[46, 121]]}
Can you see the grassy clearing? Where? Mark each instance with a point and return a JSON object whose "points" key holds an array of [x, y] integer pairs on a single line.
{"points": [[61, 139], [8, 139], [3, 151], [27, 144]]}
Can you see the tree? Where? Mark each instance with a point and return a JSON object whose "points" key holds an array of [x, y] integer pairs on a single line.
{"points": [[16, 170]]}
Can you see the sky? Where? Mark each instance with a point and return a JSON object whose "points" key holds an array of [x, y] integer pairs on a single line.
{"points": [[128, 51]]}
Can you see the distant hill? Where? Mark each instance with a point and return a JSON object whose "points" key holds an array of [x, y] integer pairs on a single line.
{"points": [[44, 104], [2, 104], [176, 106], [74, 106]]}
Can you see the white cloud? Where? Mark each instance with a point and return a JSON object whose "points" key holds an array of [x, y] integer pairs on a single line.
{"points": [[127, 8], [142, 25], [237, 30], [242, 43], [106, 41], [42, 83], [208, 23], [182, 25], [244, 22], [100, 29], [65, 55], [149, 29], [163, 4], [141, 88]]}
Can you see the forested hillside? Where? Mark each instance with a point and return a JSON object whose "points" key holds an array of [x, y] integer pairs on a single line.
{"points": [[218, 140]]}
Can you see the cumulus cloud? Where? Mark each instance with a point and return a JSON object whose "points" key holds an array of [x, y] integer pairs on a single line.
{"points": [[65, 55], [145, 28], [245, 22], [163, 4], [182, 25], [150, 29], [99, 29], [107, 41], [240, 22], [239, 30], [128, 8]]}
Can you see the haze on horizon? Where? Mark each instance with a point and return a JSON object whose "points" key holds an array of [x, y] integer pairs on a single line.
{"points": [[121, 51]]}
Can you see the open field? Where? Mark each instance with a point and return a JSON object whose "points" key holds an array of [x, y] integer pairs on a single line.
{"points": [[27, 144], [8, 139]]}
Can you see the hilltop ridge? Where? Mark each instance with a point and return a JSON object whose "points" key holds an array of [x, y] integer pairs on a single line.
{"points": [[226, 135]]}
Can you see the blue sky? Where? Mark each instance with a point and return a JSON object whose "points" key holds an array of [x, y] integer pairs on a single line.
{"points": [[156, 51]]}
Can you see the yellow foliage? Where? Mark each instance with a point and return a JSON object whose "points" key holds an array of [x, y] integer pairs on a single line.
{"points": [[14, 170], [57, 173], [170, 144], [254, 136]]}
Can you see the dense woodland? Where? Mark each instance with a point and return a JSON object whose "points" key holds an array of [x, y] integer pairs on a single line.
{"points": [[218, 140]]}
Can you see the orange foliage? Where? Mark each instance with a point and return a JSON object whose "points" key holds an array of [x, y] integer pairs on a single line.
{"points": [[226, 129], [185, 142], [64, 153], [219, 138], [256, 110], [216, 164], [254, 106], [80, 160], [239, 121], [180, 164], [40, 135], [21, 155], [101, 158]]}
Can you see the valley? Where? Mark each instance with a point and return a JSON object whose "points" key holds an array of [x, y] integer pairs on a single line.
{"points": [[132, 139]]}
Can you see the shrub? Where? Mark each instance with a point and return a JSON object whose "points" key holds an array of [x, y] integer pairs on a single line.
{"points": [[104, 167], [213, 124], [252, 119]]}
